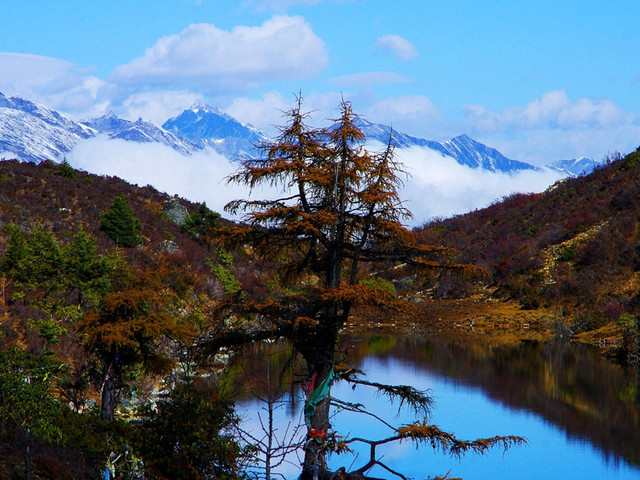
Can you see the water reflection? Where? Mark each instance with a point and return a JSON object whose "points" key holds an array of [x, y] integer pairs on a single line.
{"points": [[579, 412]]}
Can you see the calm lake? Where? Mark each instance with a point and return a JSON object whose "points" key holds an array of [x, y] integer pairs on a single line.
{"points": [[579, 413]]}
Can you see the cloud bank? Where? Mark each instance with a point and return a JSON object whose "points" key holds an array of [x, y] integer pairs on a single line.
{"points": [[198, 177], [553, 109], [437, 187], [554, 127], [440, 187]]}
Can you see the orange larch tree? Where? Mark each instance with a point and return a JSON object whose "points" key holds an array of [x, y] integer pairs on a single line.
{"points": [[128, 329], [339, 212]]}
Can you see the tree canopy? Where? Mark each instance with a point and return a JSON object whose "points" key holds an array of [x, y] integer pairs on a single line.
{"points": [[338, 215]]}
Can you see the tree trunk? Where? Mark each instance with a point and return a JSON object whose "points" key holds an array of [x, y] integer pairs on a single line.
{"points": [[315, 463], [28, 460], [108, 395], [318, 350]]}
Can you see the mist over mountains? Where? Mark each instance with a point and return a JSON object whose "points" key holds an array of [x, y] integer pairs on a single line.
{"points": [[34, 133], [191, 153]]}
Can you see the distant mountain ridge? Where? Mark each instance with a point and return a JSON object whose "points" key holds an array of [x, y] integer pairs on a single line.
{"points": [[35, 133], [574, 167], [139, 131], [207, 126], [465, 150]]}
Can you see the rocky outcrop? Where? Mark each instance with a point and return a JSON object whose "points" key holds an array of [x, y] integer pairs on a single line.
{"points": [[176, 211]]}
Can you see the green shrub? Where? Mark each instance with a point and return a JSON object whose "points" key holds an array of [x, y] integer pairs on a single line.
{"points": [[187, 437], [381, 283], [67, 170], [230, 285], [202, 221]]}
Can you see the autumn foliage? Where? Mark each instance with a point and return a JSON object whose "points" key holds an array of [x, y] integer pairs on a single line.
{"points": [[337, 218]]}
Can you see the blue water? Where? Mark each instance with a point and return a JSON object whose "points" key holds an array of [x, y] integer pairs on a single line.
{"points": [[466, 411], [469, 413]]}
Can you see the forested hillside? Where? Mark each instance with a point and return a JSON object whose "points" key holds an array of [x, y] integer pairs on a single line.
{"points": [[575, 247], [106, 289]]}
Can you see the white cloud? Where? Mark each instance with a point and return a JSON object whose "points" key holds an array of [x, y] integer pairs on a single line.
{"points": [[158, 107], [553, 109], [56, 83], [267, 112], [401, 48], [441, 187], [406, 113], [283, 47], [199, 177], [554, 127], [263, 113]]}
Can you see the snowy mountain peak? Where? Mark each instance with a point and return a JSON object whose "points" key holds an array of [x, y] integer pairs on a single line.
{"points": [[463, 138], [574, 167], [35, 133], [463, 149], [207, 126], [204, 109]]}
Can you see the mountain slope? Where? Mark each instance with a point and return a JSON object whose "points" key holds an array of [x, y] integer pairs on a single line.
{"points": [[474, 154], [575, 246], [471, 153], [208, 126], [35, 133]]}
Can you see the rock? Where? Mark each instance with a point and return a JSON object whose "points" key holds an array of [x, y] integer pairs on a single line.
{"points": [[170, 247], [176, 211]]}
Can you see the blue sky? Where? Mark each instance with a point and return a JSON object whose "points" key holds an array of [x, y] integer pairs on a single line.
{"points": [[538, 80]]}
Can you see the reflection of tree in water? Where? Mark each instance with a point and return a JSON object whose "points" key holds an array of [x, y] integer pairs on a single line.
{"points": [[570, 385]]}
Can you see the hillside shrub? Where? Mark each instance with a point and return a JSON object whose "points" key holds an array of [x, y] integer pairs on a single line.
{"points": [[187, 437], [630, 341], [202, 221]]}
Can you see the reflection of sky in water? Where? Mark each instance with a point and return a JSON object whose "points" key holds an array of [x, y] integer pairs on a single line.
{"points": [[469, 414]]}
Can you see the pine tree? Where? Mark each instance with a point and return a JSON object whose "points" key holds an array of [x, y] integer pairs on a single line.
{"points": [[120, 224]]}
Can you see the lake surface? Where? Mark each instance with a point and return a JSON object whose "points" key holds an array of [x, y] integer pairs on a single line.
{"points": [[579, 413]]}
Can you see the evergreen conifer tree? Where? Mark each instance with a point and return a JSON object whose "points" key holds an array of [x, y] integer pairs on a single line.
{"points": [[120, 224], [338, 217]]}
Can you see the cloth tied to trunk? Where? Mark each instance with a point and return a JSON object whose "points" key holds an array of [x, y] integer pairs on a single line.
{"points": [[315, 395]]}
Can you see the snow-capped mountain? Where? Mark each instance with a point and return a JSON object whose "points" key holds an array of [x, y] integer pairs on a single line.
{"points": [[35, 133], [575, 167], [465, 150], [474, 154], [139, 131], [207, 126]]}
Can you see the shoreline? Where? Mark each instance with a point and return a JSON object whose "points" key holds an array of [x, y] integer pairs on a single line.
{"points": [[487, 319]]}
